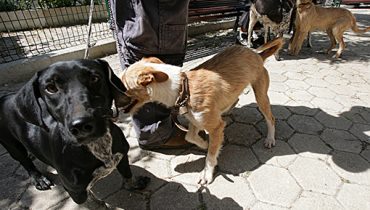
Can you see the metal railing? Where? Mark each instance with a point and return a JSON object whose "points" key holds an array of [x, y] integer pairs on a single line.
{"points": [[35, 29]]}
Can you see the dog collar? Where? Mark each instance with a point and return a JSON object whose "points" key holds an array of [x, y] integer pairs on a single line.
{"points": [[181, 103]]}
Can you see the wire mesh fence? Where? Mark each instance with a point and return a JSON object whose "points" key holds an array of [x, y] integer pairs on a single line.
{"points": [[35, 27]]}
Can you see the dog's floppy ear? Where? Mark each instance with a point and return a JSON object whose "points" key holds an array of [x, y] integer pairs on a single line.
{"points": [[115, 85], [152, 60], [27, 102], [148, 77]]}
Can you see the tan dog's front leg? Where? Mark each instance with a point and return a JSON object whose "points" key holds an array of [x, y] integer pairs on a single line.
{"points": [[216, 137], [193, 137], [297, 42]]}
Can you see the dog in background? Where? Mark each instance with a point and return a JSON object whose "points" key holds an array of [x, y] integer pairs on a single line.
{"points": [[335, 21], [274, 15], [213, 88], [62, 116]]}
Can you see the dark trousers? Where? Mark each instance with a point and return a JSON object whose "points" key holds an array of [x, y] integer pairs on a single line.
{"points": [[151, 28]]}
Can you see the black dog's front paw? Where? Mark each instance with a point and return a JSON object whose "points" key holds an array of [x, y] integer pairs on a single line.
{"points": [[41, 182], [136, 183]]}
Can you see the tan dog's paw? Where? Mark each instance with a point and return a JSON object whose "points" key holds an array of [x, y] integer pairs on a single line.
{"points": [[269, 142], [206, 176]]}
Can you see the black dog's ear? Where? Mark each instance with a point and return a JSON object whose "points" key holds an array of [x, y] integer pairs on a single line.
{"points": [[116, 86], [27, 102]]}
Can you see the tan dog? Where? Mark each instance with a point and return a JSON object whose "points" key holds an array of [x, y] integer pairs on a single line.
{"points": [[214, 87], [335, 21]]}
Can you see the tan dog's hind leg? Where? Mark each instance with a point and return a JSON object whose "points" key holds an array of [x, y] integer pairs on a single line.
{"points": [[260, 88], [297, 42], [338, 32], [193, 137], [333, 43], [216, 137]]}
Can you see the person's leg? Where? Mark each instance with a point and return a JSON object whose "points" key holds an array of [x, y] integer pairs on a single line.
{"points": [[151, 28]]}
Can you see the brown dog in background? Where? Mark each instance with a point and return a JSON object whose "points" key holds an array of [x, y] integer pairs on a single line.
{"points": [[335, 21], [214, 87]]}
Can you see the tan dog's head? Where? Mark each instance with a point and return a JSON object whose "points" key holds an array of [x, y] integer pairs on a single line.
{"points": [[137, 78]]}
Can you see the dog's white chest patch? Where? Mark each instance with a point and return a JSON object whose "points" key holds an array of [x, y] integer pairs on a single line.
{"points": [[102, 150]]}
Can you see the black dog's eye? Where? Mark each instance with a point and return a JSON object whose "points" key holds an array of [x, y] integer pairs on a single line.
{"points": [[51, 88], [94, 78]]}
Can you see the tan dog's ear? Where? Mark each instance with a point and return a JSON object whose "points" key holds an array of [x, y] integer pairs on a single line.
{"points": [[147, 78], [152, 60]]}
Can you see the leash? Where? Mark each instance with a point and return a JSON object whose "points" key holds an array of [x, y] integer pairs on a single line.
{"points": [[181, 103], [89, 29]]}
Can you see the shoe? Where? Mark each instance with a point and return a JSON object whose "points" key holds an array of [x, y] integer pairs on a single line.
{"points": [[176, 141]]}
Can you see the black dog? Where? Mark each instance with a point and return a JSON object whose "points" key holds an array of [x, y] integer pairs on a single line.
{"points": [[62, 116]]}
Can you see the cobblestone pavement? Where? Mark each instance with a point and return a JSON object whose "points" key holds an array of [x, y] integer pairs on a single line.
{"points": [[321, 159]]}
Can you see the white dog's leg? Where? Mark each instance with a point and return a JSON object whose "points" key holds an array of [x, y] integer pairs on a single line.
{"points": [[193, 137]]}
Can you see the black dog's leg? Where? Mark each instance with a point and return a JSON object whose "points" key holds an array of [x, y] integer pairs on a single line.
{"points": [[130, 182], [19, 153]]}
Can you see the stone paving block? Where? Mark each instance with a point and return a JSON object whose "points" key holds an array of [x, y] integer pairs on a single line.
{"points": [[266, 206], [342, 89], [186, 168], [295, 75], [309, 146], [2, 150], [239, 133], [236, 159], [246, 114], [275, 77], [299, 95], [277, 97], [302, 108], [305, 124], [352, 167], [152, 165], [279, 87], [354, 197], [124, 199], [355, 114], [366, 153], [11, 189], [315, 175], [336, 80], [36, 199], [8, 163], [332, 121], [341, 140], [221, 193], [274, 185], [297, 84], [326, 104], [282, 130], [321, 92], [309, 201], [176, 196], [362, 131], [281, 155], [280, 112], [316, 82]]}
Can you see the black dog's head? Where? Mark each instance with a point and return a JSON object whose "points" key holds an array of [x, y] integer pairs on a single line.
{"points": [[77, 94]]}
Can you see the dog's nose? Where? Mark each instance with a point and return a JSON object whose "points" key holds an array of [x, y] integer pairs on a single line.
{"points": [[82, 127]]}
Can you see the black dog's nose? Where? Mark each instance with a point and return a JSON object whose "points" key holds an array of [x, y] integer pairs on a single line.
{"points": [[82, 127]]}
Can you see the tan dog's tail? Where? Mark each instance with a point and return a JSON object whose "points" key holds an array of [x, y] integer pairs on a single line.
{"points": [[355, 27], [270, 48]]}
